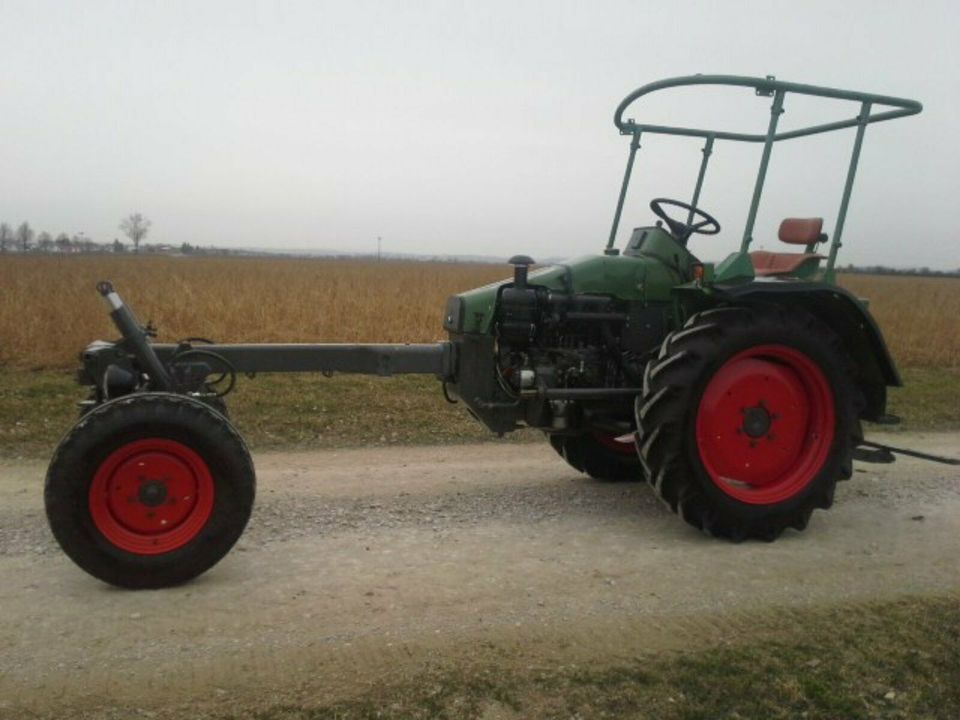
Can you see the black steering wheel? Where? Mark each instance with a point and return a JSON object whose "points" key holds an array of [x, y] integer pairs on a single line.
{"points": [[681, 230]]}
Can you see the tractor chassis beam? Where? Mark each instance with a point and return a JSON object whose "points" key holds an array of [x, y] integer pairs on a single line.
{"points": [[156, 359], [364, 359]]}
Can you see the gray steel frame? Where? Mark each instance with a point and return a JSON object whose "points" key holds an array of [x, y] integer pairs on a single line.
{"points": [[385, 359], [368, 359]]}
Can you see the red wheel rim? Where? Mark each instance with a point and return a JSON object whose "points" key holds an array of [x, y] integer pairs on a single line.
{"points": [[765, 424], [151, 496], [620, 444]]}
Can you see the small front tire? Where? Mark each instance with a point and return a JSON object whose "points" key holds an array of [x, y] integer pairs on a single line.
{"points": [[149, 490]]}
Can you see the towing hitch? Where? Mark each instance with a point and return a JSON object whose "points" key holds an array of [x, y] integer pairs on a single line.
{"points": [[873, 452]]}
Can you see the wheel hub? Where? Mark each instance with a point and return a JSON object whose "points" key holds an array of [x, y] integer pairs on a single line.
{"points": [[153, 493], [756, 421]]}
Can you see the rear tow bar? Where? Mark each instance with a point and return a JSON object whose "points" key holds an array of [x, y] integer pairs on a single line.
{"points": [[872, 452]]}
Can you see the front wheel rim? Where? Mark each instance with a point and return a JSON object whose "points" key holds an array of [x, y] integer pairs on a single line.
{"points": [[765, 424], [151, 496]]}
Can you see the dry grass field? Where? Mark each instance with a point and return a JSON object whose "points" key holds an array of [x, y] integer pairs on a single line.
{"points": [[920, 317], [49, 309]]}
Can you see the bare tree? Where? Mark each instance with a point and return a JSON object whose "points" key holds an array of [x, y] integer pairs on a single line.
{"points": [[24, 236], [135, 227], [6, 237], [45, 241], [63, 242]]}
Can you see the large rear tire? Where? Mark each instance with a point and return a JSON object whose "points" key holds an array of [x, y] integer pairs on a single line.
{"points": [[601, 456], [149, 490], [747, 420]]}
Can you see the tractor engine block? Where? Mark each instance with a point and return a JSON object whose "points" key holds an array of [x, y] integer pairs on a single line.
{"points": [[554, 340]]}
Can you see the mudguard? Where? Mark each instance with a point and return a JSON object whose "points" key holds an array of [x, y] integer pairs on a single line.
{"points": [[846, 315]]}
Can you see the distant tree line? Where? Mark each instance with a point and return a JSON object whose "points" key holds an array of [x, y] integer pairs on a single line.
{"points": [[23, 239], [884, 270]]}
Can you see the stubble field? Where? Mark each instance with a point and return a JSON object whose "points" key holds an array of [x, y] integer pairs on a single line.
{"points": [[49, 309]]}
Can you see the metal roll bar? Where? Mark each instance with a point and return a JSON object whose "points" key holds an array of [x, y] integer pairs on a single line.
{"points": [[766, 87]]}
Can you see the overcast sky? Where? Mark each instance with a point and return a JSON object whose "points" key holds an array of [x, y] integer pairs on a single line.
{"points": [[475, 127]]}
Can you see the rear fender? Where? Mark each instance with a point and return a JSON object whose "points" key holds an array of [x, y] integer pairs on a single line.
{"points": [[847, 316]]}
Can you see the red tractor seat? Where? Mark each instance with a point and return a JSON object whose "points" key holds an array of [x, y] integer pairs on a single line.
{"points": [[772, 263], [794, 231]]}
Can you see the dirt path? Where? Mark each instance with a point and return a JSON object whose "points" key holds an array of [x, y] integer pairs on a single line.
{"points": [[362, 565]]}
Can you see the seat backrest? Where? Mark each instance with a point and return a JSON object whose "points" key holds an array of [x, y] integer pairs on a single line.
{"points": [[802, 231]]}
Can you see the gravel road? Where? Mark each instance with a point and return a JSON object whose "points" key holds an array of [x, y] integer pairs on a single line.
{"points": [[360, 566]]}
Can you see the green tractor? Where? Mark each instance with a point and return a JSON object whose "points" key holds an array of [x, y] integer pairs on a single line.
{"points": [[737, 390]]}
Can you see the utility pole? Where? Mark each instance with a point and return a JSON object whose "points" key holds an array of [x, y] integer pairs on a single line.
{"points": [[379, 241]]}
